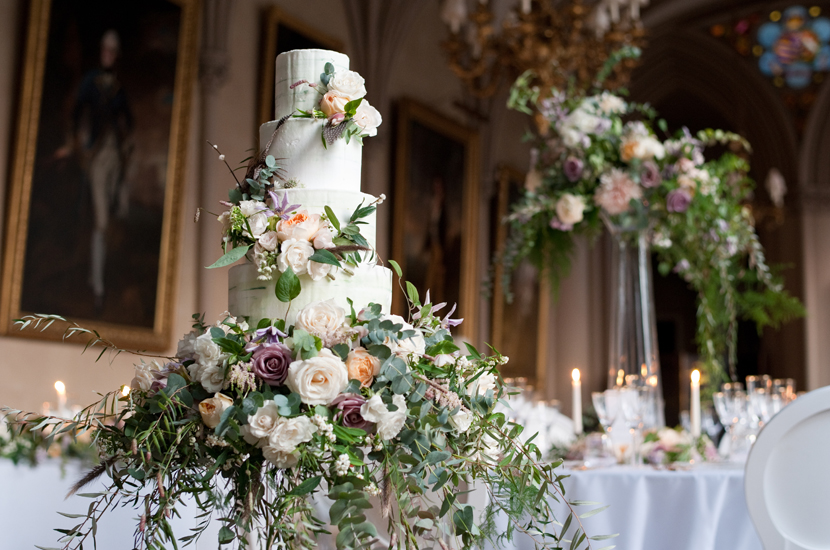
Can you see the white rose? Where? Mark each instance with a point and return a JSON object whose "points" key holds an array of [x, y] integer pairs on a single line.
{"points": [[206, 351], [322, 239], [649, 147], [461, 420], [582, 121], [348, 83], [295, 254], [195, 370], [392, 422], [213, 378], [374, 409], [287, 433], [249, 208], [225, 219], [485, 382], [318, 380], [263, 421], [269, 241], [258, 224], [570, 208], [367, 118], [317, 270], [443, 359], [144, 376], [324, 320], [280, 459], [185, 349], [610, 104], [212, 409]]}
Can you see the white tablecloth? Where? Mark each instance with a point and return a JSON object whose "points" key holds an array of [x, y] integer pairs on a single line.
{"points": [[700, 509], [31, 497]]}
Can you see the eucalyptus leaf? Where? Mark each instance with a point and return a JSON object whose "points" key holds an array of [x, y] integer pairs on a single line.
{"points": [[230, 257], [288, 286]]}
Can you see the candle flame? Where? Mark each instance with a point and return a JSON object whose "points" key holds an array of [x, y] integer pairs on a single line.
{"points": [[652, 381], [695, 376], [575, 375], [125, 391], [60, 387], [643, 370], [620, 377]]}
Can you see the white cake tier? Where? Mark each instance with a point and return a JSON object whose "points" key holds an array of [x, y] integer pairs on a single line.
{"points": [[298, 148], [298, 65], [342, 203], [255, 299]]}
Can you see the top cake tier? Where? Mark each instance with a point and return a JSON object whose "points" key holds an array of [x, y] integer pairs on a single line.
{"points": [[299, 65]]}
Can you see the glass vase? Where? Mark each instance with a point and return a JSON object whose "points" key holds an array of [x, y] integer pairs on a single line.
{"points": [[634, 358]]}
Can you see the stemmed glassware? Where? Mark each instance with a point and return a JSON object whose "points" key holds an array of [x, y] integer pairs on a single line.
{"points": [[607, 406], [635, 402]]}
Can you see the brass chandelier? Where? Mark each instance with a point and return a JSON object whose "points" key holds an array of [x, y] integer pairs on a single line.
{"points": [[563, 42]]}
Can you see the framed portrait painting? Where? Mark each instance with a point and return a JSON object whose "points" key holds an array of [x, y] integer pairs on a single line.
{"points": [[283, 33], [95, 189], [518, 327], [436, 210]]}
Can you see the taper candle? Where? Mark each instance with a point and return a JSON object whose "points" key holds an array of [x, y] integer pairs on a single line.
{"points": [[577, 401], [695, 405]]}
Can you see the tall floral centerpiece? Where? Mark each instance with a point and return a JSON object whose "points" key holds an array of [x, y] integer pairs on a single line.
{"points": [[598, 161]]}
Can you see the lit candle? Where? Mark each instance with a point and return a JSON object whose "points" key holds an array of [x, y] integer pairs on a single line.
{"points": [[125, 391], [61, 389], [695, 414], [577, 401]]}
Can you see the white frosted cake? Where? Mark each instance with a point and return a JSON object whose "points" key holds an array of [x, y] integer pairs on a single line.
{"points": [[315, 175]]}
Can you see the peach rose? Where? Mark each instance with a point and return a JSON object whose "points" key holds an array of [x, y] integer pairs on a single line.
{"points": [[301, 226], [362, 366], [333, 102], [212, 409]]}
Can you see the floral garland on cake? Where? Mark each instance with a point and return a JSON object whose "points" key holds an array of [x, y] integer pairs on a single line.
{"points": [[597, 159], [343, 106]]}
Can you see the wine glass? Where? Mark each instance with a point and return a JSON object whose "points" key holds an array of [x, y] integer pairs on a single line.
{"points": [[635, 402], [606, 405]]}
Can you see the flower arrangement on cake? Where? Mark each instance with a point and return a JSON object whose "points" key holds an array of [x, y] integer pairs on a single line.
{"points": [[310, 387], [597, 159]]}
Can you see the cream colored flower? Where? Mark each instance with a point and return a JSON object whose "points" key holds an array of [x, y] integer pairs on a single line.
{"points": [[348, 83], [287, 433], [206, 351], [570, 208], [322, 319], [373, 409], [610, 104], [280, 459], [301, 226], [406, 346], [367, 118], [392, 423], [269, 241], [213, 378], [264, 420], [485, 382], [212, 409], [317, 270], [333, 102], [318, 380], [461, 420], [144, 376], [362, 366], [295, 254]]}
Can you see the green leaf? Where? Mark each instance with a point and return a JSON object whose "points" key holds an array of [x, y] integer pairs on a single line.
{"points": [[328, 68], [396, 267], [412, 292], [230, 257], [342, 351], [437, 456], [226, 536], [324, 256], [351, 107], [288, 286], [306, 486], [137, 474], [332, 218], [224, 421]]}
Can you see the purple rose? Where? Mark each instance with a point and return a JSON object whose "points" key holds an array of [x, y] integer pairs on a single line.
{"points": [[348, 410], [678, 200], [650, 176], [573, 169], [270, 363]]}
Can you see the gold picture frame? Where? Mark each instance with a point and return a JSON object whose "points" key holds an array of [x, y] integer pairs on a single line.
{"points": [[280, 33], [115, 234], [435, 228], [514, 325]]}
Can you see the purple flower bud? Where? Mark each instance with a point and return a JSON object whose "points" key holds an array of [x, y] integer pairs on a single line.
{"points": [[348, 410], [678, 200], [270, 363], [573, 169], [161, 376], [337, 118], [556, 224], [650, 176]]}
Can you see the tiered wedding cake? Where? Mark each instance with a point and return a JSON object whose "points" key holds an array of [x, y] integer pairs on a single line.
{"points": [[319, 175]]}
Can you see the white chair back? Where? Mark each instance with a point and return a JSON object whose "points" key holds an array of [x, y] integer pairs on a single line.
{"points": [[787, 476]]}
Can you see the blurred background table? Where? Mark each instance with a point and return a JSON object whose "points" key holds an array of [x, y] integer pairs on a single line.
{"points": [[653, 509], [33, 496]]}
